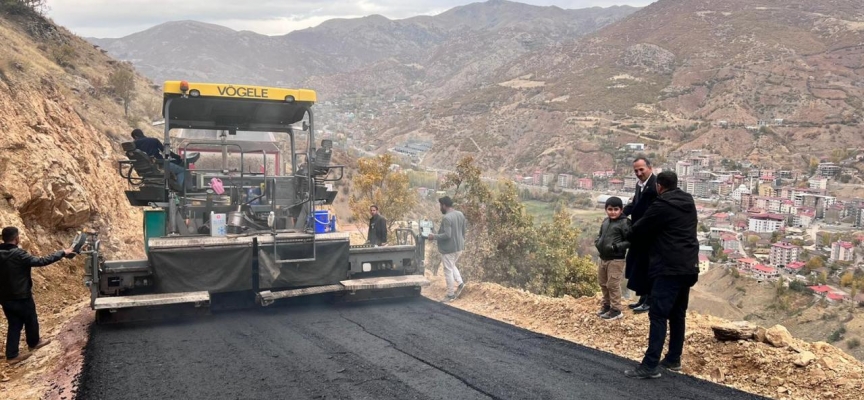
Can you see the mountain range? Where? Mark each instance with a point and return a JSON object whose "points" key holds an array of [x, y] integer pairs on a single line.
{"points": [[200, 50], [520, 86]]}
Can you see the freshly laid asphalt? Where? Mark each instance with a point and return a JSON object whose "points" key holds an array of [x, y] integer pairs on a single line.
{"points": [[404, 349]]}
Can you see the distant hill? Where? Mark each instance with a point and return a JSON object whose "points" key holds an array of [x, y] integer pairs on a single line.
{"points": [[200, 51], [667, 75], [520, 86]]}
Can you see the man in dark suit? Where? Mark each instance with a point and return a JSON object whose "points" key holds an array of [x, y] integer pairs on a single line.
{"points": [[636, 271], [668, 229]]}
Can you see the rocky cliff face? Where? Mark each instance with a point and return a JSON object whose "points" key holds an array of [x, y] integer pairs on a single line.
{"points": [[61, 128]]}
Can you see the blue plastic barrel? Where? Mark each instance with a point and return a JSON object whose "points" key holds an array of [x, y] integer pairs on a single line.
{"points": [[322, 221]]}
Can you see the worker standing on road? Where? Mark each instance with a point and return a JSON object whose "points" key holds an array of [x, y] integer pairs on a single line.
{"points": [[668, 229], [612, 245], [377, 234], [451, 243], [16, 293]]}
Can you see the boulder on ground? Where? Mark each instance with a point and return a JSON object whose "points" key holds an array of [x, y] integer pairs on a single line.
{"points": [[734, 331], [778, 336]]}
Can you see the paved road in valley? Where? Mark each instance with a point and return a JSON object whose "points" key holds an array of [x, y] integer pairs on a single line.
{"points": [[408, 349]]}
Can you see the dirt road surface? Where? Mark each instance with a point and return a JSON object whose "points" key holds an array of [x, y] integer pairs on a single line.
{"points": [[406, 349]]}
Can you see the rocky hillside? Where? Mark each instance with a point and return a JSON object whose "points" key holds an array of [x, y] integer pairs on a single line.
{"points": [[61, 129], [725, 295], [667, 75], [522, 87], [775, 365]]}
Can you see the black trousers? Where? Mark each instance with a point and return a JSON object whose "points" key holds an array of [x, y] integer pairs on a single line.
{"points": [[636, 272], [670, 296], [20, 314]]}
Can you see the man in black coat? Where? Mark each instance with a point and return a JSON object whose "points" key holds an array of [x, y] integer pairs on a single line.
{"points": [[377, 234], [668, 228], [636, 270], [16, 293]]}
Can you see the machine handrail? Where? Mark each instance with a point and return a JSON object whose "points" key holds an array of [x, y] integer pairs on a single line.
{"points": [[132, 180], [185, 151], [341, 169], [186, 147], [295, 260]]}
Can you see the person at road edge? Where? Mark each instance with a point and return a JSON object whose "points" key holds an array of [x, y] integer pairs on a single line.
{"points": [[16, 293], [668, 229], [451, 243]]}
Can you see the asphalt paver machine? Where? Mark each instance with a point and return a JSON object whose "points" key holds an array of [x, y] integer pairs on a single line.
{"points": [[250, 236]]}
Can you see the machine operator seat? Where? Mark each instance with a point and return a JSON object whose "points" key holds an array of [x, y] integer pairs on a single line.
{"points": [[147, 168], [322, 157], [190, 158]]}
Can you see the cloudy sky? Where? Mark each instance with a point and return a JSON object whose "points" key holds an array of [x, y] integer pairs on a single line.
{"points": [[117, 18]]}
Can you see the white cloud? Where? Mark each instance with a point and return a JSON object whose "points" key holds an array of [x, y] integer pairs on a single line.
{"points": [[116, 18]]}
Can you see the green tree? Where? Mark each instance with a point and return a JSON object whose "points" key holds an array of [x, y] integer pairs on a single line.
{"points": [[123, 82], [847, 279], [798, 286], [64, 55], [752, 240], [823, 278], [507, 248], [839, 155], [781, 288], [562, 271], [375, 183], [814, 163], [815, 263], [825, 239], [717, 250], [560, 205], [23, 6]]}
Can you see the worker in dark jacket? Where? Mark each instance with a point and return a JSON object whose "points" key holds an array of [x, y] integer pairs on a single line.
{"points": [[377, 228], [16, 293], [636, 271], [154, 148], [668, 228]]}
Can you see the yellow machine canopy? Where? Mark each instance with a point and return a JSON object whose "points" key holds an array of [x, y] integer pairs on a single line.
{"points": [[234, 108]]}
